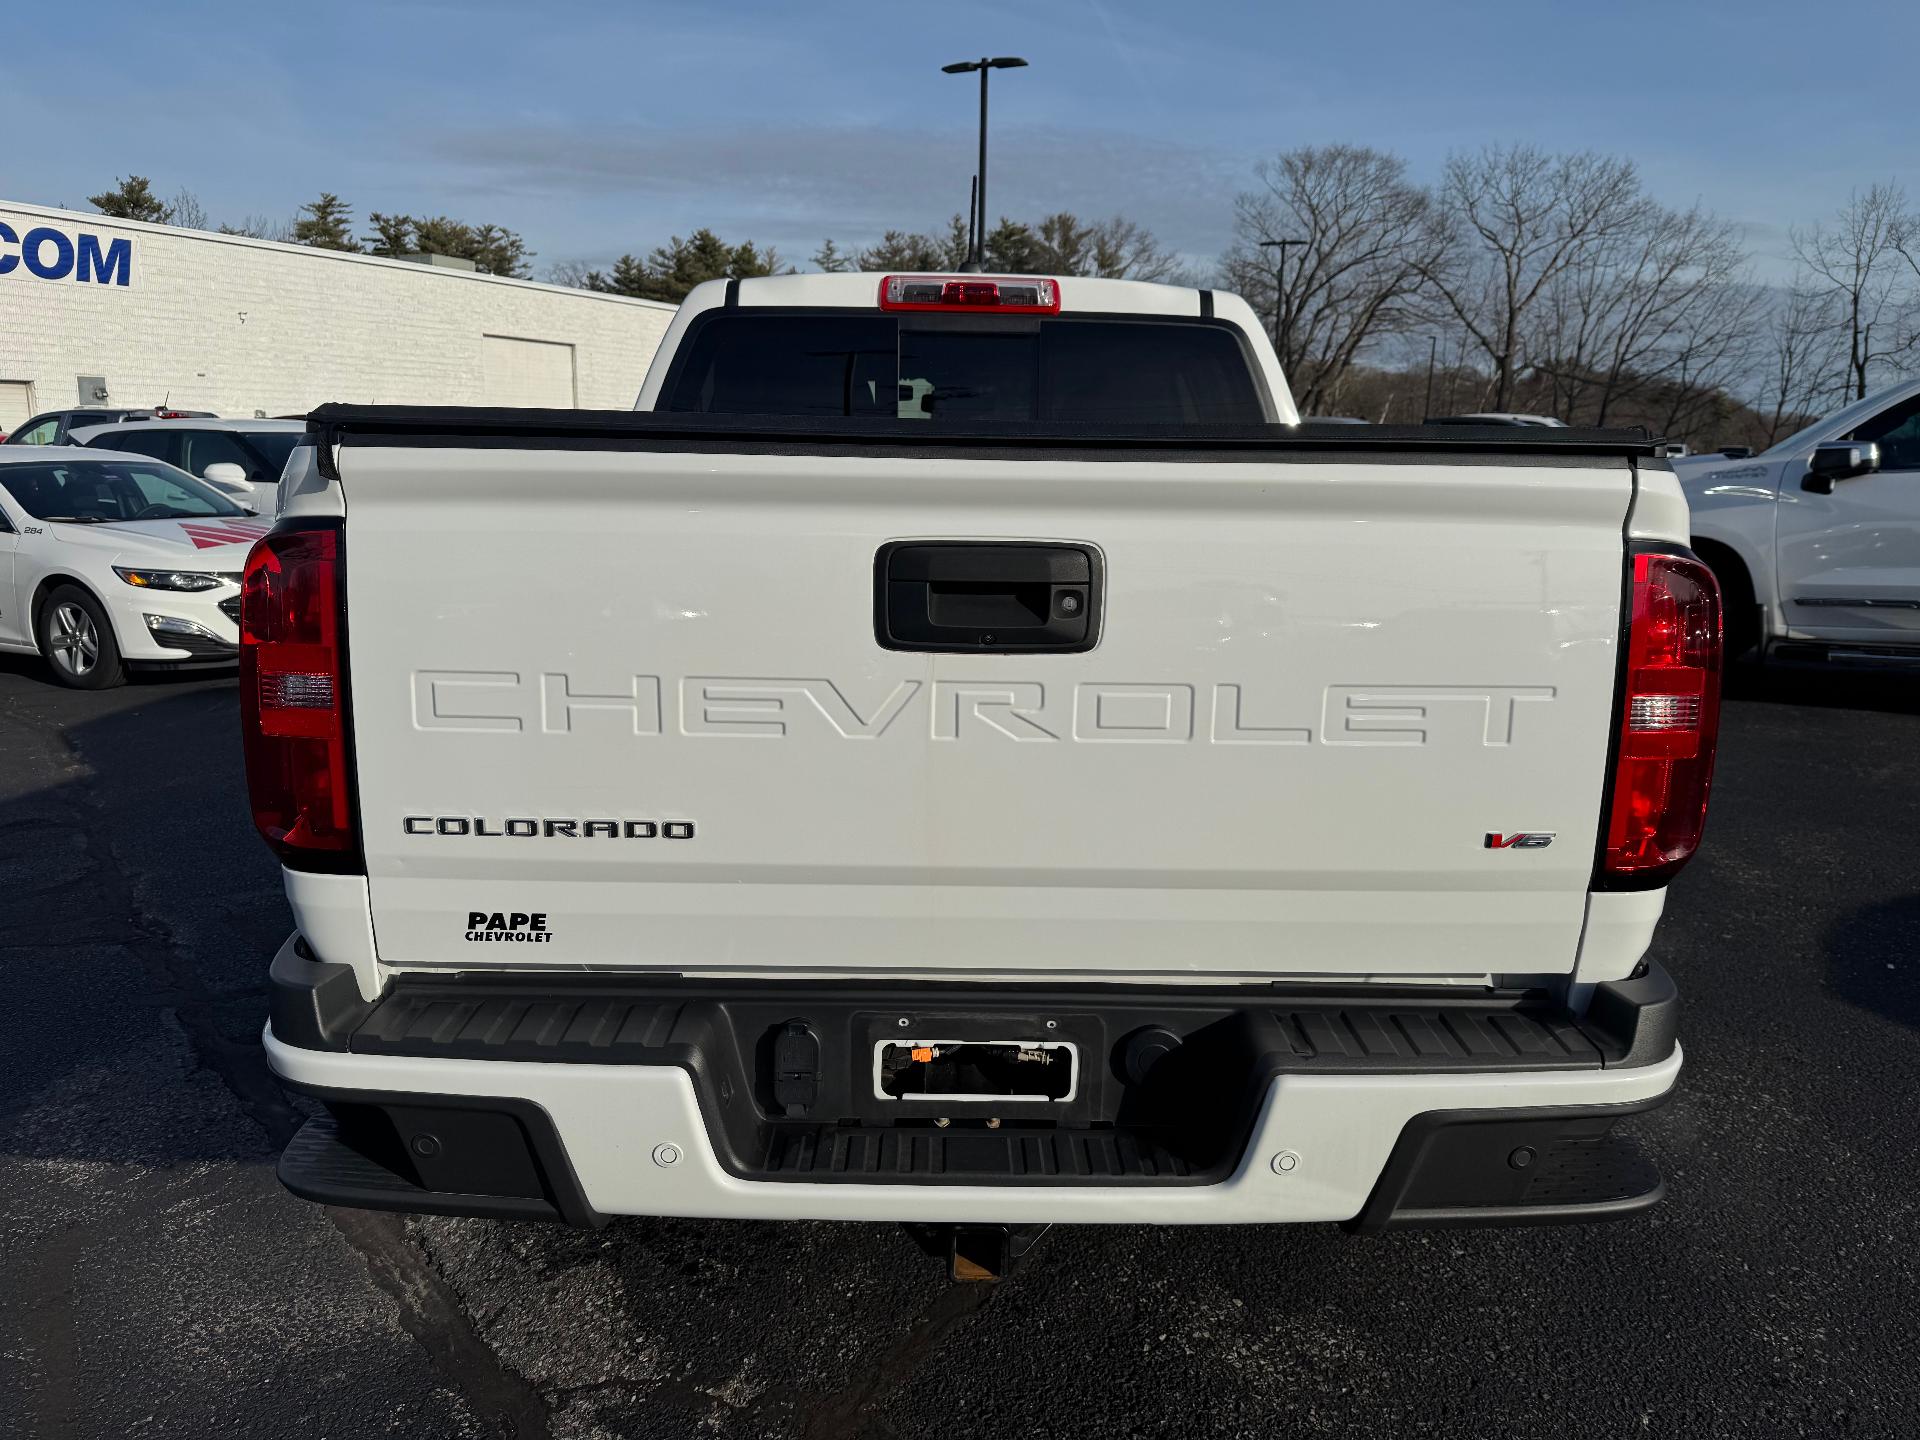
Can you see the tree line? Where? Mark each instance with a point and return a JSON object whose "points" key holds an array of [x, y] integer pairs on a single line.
{"points": [[1520, 279], [1554, 283], [327, 224], [1060, 244]]}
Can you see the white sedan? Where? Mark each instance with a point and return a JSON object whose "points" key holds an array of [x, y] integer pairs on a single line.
{"points": [[111, 560]]}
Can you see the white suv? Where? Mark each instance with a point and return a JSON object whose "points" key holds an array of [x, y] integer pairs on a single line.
{"points": [[241, 458]]}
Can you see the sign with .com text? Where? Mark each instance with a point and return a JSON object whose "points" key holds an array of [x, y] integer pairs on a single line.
{"points": [[47, 252]]}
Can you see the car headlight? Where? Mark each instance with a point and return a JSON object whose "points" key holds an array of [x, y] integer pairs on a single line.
{"points": [[168, 579]]}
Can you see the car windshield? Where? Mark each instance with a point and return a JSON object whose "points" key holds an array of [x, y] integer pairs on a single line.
{"points": [[99, 492], [1842, 420]]}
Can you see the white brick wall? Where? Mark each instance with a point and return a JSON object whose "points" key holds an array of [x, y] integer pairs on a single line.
{"points": [[232, 325]]}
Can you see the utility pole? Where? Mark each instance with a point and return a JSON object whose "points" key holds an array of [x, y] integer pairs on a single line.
{"points": [[1433, 349], [978, 261], [1281, 328]]}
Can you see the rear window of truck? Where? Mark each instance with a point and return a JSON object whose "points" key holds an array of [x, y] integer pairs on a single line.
{"points": [[1140, 371]]}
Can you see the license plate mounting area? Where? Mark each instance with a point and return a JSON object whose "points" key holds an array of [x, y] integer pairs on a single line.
{"points": [[975, 1071]]}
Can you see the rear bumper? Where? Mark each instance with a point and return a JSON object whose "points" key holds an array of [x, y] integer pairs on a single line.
{"points": [[1371, 1109]]}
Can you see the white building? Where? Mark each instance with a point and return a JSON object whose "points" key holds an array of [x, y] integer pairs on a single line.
{"points": [[95, 311]]}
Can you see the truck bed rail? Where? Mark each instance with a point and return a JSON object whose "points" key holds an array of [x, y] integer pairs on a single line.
{"points": [[475, 427]]}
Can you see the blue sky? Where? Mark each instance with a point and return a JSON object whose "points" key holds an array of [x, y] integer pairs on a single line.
{"points": [[598, 128]]}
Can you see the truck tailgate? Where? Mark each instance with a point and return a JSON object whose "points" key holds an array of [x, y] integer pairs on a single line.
{"points": [[623, 706]]}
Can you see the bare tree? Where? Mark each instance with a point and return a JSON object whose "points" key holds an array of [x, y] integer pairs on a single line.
{"points": [[1370, 240], [1709, 350], [569, 272], [1515, 220], [186, 211], [1663, 307], [1123, 249], [1861, 260], [261, 227], [1805, 367]]}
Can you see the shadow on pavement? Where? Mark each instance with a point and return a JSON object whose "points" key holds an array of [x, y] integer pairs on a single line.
{"points": [[32, 667], [1896, 693], [132, 889], [1873, 959]]}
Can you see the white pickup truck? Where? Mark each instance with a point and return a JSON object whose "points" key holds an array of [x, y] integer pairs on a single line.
{"points": [[962, 754], [1816, 541]]}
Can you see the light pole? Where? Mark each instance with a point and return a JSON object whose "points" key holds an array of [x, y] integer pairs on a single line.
{"points": [[978, 261], [1280, 293]]}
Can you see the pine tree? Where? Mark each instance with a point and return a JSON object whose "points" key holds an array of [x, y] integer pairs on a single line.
{"points": [[1013, 249], [440, 235], [629, 277], [392, 234], [898, 250], [499, 251], [325, 224], [676, 267], [132, 199], [830, 260]]}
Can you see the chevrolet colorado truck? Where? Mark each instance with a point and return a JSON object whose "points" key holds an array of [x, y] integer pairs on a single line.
{"points": [[1816, 541], [962, 753]]}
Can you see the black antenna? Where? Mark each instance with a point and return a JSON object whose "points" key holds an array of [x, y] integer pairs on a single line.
{"points": [[973, 218]]}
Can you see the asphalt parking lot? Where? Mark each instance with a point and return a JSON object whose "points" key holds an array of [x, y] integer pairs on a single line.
{"points": [[155, 1280]]}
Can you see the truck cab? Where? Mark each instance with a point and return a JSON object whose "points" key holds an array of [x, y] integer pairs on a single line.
{"points": [[824, 345], [1816, 540]]}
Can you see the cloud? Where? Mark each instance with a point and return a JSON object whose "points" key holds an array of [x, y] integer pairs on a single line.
{"points": [[807, 181]]}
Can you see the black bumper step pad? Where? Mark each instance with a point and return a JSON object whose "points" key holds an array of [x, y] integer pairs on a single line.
{"points": [[1514, 1167], [1099, 1157], [449, 1020], [318, 1164], [1606, 1172]]}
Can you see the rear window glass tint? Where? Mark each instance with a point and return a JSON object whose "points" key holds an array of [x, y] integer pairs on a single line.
{"points": [[1123, 370], [789, 365]]}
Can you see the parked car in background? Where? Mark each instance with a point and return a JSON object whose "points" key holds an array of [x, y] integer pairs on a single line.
{"points": [[108, 561], [56, 427], [1817, 540], [241, 458]]}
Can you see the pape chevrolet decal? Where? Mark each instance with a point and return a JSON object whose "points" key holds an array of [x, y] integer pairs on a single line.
{"points": [[527, 928]]}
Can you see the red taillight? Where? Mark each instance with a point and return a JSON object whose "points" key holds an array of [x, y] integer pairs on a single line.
{"points": [[1669, 721], [964, 292], [292, 698]]}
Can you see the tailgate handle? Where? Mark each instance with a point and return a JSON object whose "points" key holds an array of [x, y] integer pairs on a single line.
{"points": [[979, 595]]}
